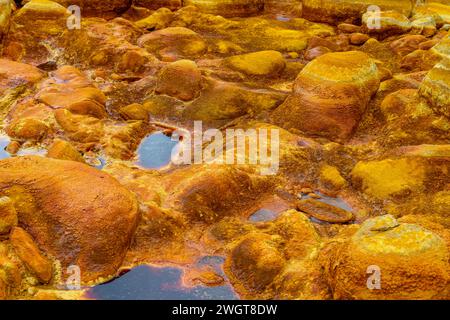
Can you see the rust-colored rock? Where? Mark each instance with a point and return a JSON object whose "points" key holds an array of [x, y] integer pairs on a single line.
{"points": [[407, 44], [229, 8], [63, 150], [29, 253], [324, 212], [436, 87], [92, 230], [37, 19], [174, 42], [28, 128], [385, 23], [96, 6], [316, 52], [333, 11], [14, 74], [358, 38], [180, 79], [8, 215], [330, 95], [256, 261], [262, 63], [70, 89], [349, 28], [134, 111]]}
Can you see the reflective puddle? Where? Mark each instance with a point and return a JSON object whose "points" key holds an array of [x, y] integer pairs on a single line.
{"points": [[155, 151], [4, 141], [335, 202], [269, 209], [153, 283], [282, 17], [30, 151]]}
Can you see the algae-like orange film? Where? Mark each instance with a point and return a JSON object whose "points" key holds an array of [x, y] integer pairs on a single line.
{"points": [[225, 149]]}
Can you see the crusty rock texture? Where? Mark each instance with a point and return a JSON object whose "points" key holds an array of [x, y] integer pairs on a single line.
{"points": [[232, 8], [78, 215], [398, 253], [333, 11], [330, 95], [436, 87]]}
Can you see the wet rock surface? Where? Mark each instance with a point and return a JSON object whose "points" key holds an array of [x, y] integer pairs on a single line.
{"points": [[92, 117]]}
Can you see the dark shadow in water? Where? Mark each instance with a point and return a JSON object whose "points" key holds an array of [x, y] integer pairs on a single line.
{"points": [[152, 283], [31, 151], [101, 162], [155, 151]]}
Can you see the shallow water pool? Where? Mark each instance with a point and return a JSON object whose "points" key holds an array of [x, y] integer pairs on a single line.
{"points": [[155, 151], [153, 283]]}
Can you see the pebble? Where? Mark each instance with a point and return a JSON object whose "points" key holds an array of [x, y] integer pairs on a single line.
{"points": [[324, 212]]}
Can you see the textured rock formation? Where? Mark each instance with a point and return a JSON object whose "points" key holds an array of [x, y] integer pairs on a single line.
{"points": [[110, 45], [15, 74], [5, 15], [8, 215], [324, 212], [28, 129], [439, 11], [70, 89], [385, 23], [407, 44], [172, 43], [38, 19], [262, 261], [29, 253], [263, 63], [333, 11], [63, 150], [289, 7], [230, 8], [436, 87], [221, 101], [442, 48], [160, 19], [411, 120], [330, 95], [74, 213], [94, 6], [397, 252], [134, 111]]}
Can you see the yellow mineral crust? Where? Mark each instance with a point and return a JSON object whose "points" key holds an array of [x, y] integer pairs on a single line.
{"points": [[381, 179], [399, 252]]}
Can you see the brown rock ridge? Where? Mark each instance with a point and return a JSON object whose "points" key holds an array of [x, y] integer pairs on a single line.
{"points": [[75, 213], [330, 95]]}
